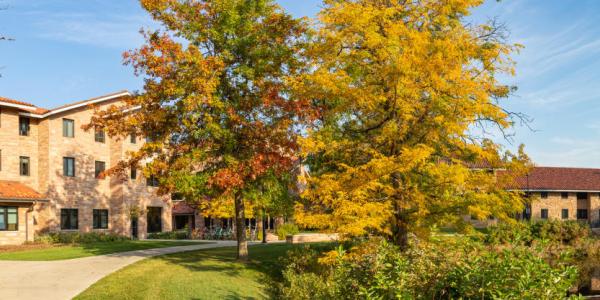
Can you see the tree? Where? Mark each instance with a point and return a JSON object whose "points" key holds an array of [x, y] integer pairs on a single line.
{"points": [[215, 104], [410, 92]]}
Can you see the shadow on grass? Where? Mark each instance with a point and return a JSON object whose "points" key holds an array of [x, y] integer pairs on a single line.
{"points": [[121, 248], [266, 259]]}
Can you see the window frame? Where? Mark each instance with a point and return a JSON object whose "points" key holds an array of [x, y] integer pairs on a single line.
{"points": [[28, 169], [580, 213], [564, 195], [544, 195], [581, 194], [152, 181], [564, 214], [97, 218], [99, 136], [133, 174], [133, 138], [24, 121], [5, 215], [68, 213], [97, 172], [544, 211], [66, 121], [65, 167]]}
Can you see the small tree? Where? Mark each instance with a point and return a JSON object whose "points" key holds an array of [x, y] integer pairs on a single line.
{"points": [[215, 106], [406, 86]]}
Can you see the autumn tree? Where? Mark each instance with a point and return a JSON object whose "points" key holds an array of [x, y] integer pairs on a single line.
{"points": [[215, 108], [410, 91]]}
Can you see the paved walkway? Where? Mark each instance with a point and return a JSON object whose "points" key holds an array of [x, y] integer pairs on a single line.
{"points": [[65, 279]]}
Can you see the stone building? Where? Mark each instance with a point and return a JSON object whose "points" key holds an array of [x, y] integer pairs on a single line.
{"points": [[49, 175], [562, 193]]}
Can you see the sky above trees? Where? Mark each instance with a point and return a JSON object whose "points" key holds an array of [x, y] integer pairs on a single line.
{"points": [[67, 51]]}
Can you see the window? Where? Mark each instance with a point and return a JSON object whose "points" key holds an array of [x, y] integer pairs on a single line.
{"points": [[544, 213], [68, 219], [133, 174], [152, 181], [582, 196], [179, 196], [9, 218], [132, 138], [582, 214], [100, 166], [100, 220], [69, 166], [99, 136], [154, 219], [564, 195], [24, 165], [68, 128], [544, 195], [565, 214], [23, 126]]}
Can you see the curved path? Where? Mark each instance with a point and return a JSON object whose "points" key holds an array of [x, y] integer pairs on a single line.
{"points": [[65, 279]]}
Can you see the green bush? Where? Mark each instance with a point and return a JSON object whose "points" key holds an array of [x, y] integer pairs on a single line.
{"points": [[377, 270], [526, 233], [169, 235], [78, 237], [286, 229]]}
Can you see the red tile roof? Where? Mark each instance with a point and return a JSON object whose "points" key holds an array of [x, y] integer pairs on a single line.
{"points": [[12, 101], [40, 111], [181, 207], [560, 179], [12, 190]]}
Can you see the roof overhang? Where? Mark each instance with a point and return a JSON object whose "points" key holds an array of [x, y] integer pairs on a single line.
{"points": [[70, 107], [13, 200], [549, 190]]}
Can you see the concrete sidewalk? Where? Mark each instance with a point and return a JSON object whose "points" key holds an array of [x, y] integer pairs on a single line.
{"points": [[65, 279]]}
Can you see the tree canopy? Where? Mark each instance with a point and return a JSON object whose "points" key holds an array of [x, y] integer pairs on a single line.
{"points": [[215, 103], [408, 87]]}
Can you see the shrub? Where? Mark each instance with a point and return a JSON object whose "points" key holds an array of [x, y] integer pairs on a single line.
{"points": [[169, 235], [286, 229], [78, 237], [526, 233], [378, 270]]}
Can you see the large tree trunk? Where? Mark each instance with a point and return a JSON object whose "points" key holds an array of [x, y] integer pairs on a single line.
{"points": [[264, 227], [240, 228], [399, 220]]}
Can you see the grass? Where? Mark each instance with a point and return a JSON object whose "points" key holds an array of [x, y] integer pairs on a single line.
{"points": [[58, 252], [203, 274]]}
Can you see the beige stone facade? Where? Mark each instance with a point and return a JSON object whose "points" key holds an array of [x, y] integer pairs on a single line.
{"points": [[46, 147], [582, 206]]}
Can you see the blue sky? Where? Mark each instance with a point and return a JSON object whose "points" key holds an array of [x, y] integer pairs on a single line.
{"points": [[68, 50]]}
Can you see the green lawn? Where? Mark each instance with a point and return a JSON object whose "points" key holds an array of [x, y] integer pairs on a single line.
{"points": [[89, 249], [203, 274]]}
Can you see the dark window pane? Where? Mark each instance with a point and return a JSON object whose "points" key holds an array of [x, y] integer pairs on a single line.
{"points": [[154, 219], [152, 181], [565, 214], [100, 167], [544, 213], [133, 173], [132, 138], [564, 195], [544, 195], [582, 196], [100, 218], [24, 165], [69, 219], [23, 126], [582, 214]]}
